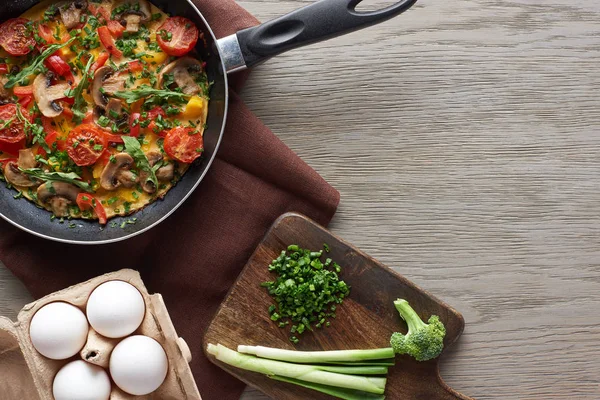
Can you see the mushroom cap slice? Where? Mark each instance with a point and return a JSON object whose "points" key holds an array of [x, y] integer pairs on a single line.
{"points": [[181, 73], [71, 12], [106, 79], [117, 173], [46, 95], [166, 173], [13, 174], [5, 94], [138, 11], [15, 177], [27, 159], [58, 196]]}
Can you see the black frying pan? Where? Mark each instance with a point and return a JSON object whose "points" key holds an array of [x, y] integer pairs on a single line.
{"points": [[319, 21]]}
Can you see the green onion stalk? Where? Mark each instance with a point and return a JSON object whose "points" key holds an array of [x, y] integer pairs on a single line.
{"points": [[305, 373]]}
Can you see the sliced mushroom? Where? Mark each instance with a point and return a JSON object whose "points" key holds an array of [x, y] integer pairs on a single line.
{"points": [[5, 94], [27, 159], [114, 107], [118, 173], [15, 177], [46, 95], [182, 73], [12, 170], [106, 82], [166, 173], [163, 174], [133, 13], [71, 12], [58, 196]]}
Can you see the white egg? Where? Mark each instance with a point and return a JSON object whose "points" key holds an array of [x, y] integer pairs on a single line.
{"points": [[79, 380], [115, 309], [138, 365], [58, 330]]}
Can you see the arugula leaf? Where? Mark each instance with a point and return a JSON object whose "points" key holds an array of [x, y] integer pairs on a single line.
{"points": [[133, 148], [80, 106], [37, 65], [36, 131], [71, 177], [145, 91]]}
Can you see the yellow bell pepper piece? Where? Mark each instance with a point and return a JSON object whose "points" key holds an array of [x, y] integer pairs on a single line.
{"points": [[194, 108], [158, 58]]}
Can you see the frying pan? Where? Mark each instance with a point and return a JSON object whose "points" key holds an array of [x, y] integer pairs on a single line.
{"points": [[319, 21]]}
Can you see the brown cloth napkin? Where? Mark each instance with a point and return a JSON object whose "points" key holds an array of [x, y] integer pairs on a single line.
{"points": [[193, 258]]}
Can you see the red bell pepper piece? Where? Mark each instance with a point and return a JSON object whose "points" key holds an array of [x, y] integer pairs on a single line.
{"points": [[46, 33], [115, 28], [113, 138], [99, 11], [108, 41], [23, 90], [134, 125], [60, 67], [86, 201], [135, 66], [100, 61], [152, 116], [25, 101], [3, 69]]}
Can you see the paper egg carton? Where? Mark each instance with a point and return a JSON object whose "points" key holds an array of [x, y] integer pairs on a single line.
{"points": [[27, 375]]}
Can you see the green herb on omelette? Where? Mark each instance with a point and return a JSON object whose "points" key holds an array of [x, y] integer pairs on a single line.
{"points": [[36, 66], [71, 177], [133, 148], [145, 91], [80, 105]]}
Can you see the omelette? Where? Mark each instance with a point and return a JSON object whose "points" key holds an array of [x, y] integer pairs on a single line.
{"points": [[103, 105]]}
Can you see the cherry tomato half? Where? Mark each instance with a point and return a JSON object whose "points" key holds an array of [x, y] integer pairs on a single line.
{"points": [[15, 37], [3, 69], [15, 131], [177, 36], [12, 148], [85, 145], [86, 201], [184, 144]]}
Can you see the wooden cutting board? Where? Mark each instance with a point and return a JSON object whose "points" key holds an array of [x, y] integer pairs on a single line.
{"points": [[365, 320]]}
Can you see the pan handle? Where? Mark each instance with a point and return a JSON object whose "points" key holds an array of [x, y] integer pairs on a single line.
{"points": [[316, 22]]}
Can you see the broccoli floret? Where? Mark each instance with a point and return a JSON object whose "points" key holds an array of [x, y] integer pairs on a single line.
{"points": [[423, 341]]}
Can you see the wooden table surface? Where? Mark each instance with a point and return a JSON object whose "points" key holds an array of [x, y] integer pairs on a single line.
{"points": [[464, 138]]}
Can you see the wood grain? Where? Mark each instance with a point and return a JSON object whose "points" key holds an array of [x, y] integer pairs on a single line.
{"points": [[464, 137], [243, 319]]}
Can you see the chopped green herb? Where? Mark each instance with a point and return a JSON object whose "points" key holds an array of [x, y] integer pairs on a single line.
{"points": [[37, 65], [306, 290]]}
